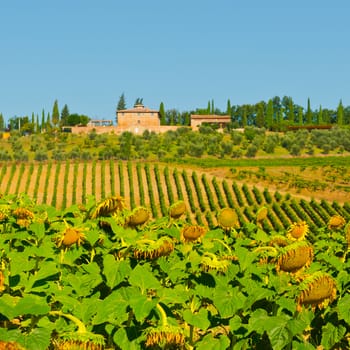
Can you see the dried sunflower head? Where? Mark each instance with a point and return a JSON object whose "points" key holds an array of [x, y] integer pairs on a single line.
{"points": [[210, 262], [165, 337], [278, 241], [317, 291], [153, 249], [298, 231], [108, 207], [177, 209], [23, 213], [261, 214], [70, 236], [192, 233], [336, 222], [79, 341], [138, 216], [294, 257], [227, 218], [4, 212], [10, 345]]}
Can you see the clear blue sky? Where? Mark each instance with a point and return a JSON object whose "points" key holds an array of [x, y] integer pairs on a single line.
{"points": [[183, 53]]}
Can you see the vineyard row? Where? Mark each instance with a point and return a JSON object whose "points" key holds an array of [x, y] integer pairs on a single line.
{"points": [[157, 187]]}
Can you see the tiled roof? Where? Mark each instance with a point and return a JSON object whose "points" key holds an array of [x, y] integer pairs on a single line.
{"points": [[209, 116]]}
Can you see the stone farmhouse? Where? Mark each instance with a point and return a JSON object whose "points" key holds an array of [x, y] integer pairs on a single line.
{"points": [[141, 118]]}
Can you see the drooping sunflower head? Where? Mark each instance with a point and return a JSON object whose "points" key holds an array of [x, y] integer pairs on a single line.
{"points": [[227, 218], [278, 241], [211, 262], [152, 249], [79, 341], [298, 231], [4, 212], [261, 214], [165, 337], [109, 206], [139, 216], [336, 222], [23, 216], [177, 209], [10, 345], [192, 233], [70, 236], [317, 291], [294, 257]]}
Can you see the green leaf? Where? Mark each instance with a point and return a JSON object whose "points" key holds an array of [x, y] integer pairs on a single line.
{"points": [[31, 305], [142, 306], [331, 335], [235, 323], [344, 309], [112, 309], [199, 319], [210, 343], [141, 277], [7, 305], [115, 271], [38, 228], [279, 335], [121, 339], [228, 304]]}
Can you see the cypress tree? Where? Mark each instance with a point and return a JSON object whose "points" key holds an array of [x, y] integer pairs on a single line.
{"points": [[300, 115], [55, 114], [308, 113], [229, 108], [64, 115], [291, 111], [2, 122], [208, 108], [320, 116], [244, 116], [269, 114], [162, 114], [212, 107], [121, 103], [340, 113], [42, 126], [37, 126]]}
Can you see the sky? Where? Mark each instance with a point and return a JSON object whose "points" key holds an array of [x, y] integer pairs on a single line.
{"points": [[86, 54]]}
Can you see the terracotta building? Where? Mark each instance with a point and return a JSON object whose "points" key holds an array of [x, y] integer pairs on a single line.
{"points": [[138, 119], [197, 120]]}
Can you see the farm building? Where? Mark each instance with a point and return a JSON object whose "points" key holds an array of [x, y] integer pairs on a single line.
{"points": [[197, 120]]}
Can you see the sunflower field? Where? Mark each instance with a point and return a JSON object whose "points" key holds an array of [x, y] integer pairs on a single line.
{"points": [[104, 275]]}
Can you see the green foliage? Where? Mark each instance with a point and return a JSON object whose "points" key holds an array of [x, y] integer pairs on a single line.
{"points": [[126, 287]]}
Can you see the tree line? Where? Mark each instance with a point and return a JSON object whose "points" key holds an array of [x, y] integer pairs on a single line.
{"points": [[277, 114]]}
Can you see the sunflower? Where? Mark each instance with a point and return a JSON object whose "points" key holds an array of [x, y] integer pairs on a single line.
{"points": [[138, 216], [153, 249], [23, 216], [70, 236], [108, 206], [336, 222], [295, 257], [192, 233], [10, 345], [177, 209], [298, 231], [278, 241], [165, 337], [227, 218], [210, 262], [79, 341], [317, 291], [261, 214]]}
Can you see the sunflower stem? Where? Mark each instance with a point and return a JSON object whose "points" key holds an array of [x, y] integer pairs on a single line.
{"points": [[262, 249], [164, 319], [78, 323]]}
